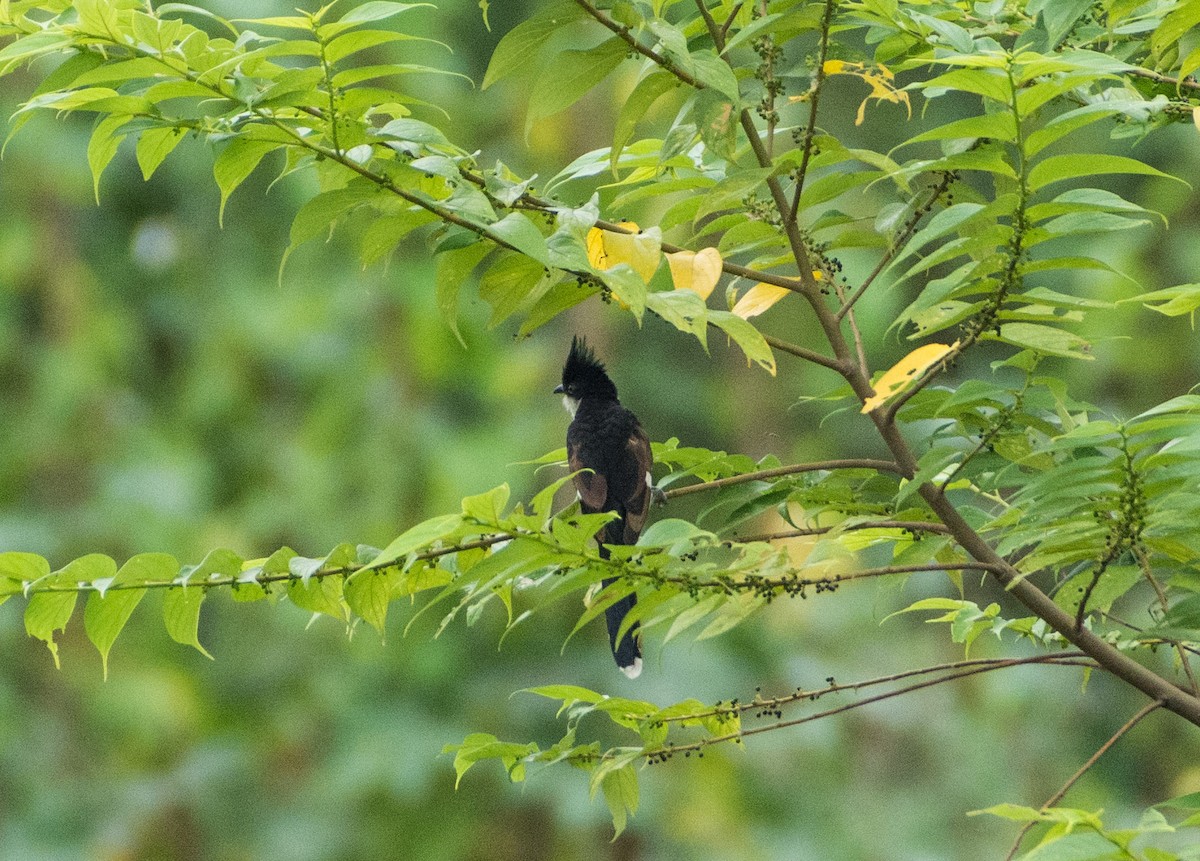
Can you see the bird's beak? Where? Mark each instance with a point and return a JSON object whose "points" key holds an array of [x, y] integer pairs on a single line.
{"points": [[558, 390]]}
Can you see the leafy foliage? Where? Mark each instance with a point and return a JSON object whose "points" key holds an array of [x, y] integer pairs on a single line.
{"points": [[974, 219]]}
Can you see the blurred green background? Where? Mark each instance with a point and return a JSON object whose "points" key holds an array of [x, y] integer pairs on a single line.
{"points": [[162, 390]]}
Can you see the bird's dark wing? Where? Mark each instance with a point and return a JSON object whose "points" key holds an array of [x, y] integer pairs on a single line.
{"points": [[637, 504], [591, 485]]}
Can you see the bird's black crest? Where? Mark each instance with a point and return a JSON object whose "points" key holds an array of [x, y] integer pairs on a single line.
{"points": [[584, 374]]}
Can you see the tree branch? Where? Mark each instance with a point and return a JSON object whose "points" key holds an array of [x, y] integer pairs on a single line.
{"points": [[810, 130], [1074, 778], [623, 31], [1071, 659], [864, 463], [950, 677], [803, 353], [909, 525], [902, 237]]}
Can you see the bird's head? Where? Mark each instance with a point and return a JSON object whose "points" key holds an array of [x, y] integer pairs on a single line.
{"points": [[583, 377]]}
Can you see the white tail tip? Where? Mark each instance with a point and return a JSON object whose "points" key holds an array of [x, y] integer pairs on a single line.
{"points": [[633, 670]]}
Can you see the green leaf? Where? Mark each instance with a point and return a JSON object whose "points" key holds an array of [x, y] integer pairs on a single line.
{"points": [[714, 72], [415, 538], [716, 121], [571, 74], [480, 745], [569, 694], [317, 594], [561, 296], [22, 568], [1000, 126], [627, 288], [1014, 812], [953, 35], [181, 615], [504, 286], [344, 46], [990, 83], [108, 609], [42, 42], [1170, 301], [518, 232], [1057, 168], [487, 508], [414, 131], [236, 162], [454, 268], [48, 612], [368, 593], [520, 46], [1061, 16], [743, 333], [320, 213], [153, 146], [103, 146], [1044, 339], [683, 309], [620, 788], [649, 90], [730, 192], [1185, 18], [378, 10]]}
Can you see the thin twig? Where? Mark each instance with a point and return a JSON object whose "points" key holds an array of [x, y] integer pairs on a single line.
{"points": [[737, 7], [811, 128], [794, 469], [623, 32], [1071, 659], [902, 237], [1144, 562], [908, 525], [1164, 79], [1066, 787], [803, 353], [703, 743]]}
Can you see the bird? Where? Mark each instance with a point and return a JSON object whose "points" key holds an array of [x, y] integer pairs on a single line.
{"points": [[610, 456]]}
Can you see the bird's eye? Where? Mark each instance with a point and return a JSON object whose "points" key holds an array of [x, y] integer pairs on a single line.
{"points": [[571, 390]]}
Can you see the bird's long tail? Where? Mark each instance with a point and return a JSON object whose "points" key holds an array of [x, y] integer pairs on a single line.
{"points": [[627, 651]]}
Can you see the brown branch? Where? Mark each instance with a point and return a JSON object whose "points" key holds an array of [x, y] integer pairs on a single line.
{"points": [[800, 695], [1074, 778], [810, 130], [1164, 79], [862, 463], [971, 671], [902, 237], [803, 353], [623, 32], [1144, 562], [909, 525], [737, 7]]}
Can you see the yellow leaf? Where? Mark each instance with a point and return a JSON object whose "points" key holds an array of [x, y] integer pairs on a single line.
{"points": [[818, 275], [606, 249], [899, 376], [759, 298], [696, 270], [1196, 116], [596, 253], [835, 67]]}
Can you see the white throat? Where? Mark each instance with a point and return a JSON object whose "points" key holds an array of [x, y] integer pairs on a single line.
{"points": [[570, 404]]}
